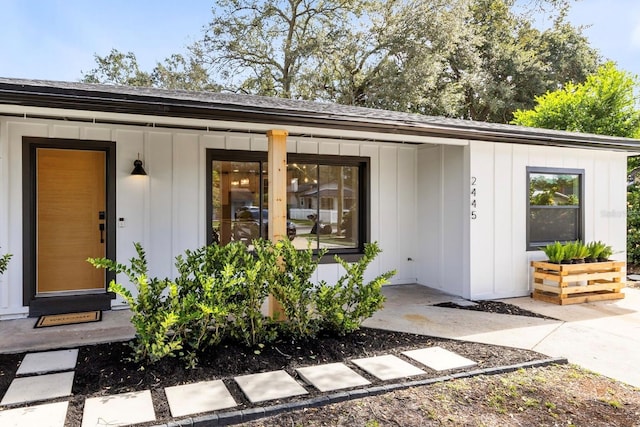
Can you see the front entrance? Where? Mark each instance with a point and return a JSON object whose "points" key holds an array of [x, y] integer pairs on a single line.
{"points": [[69, 221]]}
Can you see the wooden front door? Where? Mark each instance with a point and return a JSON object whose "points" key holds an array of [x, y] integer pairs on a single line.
{"points": [[70, 220]]}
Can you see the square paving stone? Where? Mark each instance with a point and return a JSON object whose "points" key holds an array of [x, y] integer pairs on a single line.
{"points": [[388, 367], [332, 376], [119, 409], [204, 396], [47, 415], [42, 387], [439, 359], [269, 386], [48, 361]]}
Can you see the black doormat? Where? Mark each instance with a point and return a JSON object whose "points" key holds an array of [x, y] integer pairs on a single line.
{"points": [[49, 320]]}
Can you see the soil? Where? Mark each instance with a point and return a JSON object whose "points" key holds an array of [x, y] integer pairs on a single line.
{"points": [[556, 395], [495, 307]]}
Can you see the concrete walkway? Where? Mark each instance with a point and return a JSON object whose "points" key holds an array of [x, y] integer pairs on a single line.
{"points": [[603, 336]]}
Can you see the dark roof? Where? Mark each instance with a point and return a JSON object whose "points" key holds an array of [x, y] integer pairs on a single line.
{"points": [[282, 112]]}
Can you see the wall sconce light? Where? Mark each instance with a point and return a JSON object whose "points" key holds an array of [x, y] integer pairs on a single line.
{"points": [[137, 167]]}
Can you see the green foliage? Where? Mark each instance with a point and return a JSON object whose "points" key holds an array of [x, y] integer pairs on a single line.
{"points": [[176, 72], [220, 291], [595, 249], [250, 326], [576, 250], [604, 104], [477, 59], [607, 251], [153, 317], [4, 262], [554, 251], [291, 285], [343, 307]]}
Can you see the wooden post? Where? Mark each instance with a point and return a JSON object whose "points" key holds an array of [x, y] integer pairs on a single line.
{"points": [[277, 159]]}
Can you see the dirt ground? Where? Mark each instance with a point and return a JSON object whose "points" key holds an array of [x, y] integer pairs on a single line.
{"points": [[560, 395]]}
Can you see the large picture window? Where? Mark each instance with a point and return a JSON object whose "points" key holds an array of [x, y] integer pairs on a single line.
{"points": [[326, 200], [555, 206]]}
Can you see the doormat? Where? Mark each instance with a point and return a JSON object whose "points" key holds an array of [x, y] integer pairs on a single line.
{"points": [[68, 319]]}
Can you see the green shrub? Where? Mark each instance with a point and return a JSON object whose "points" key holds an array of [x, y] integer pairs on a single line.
{"points": [[220, 290], [249, 325], [291, 285], [4, 263], [154, 318], [343, 307]]}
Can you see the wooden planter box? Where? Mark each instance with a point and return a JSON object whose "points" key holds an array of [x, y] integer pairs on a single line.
{"points": [[603, 282]]}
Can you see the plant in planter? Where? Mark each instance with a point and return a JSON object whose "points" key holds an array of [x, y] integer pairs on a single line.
{"points": [[595, 250], [570, 251], [607, 251], [580, 252], [555, 252]]}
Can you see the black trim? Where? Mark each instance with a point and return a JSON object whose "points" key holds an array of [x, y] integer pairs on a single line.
{"points": [[364, 206], [536, 246], [53, 305], [254, 109]]}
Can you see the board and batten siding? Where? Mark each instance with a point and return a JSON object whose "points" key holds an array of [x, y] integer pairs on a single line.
{"points": [[442, 213], [499, 262], [165, 211]]}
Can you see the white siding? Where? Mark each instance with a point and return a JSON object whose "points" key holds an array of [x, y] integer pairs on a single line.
{"points": [[165, 211], [442, 209], [499, 260]]}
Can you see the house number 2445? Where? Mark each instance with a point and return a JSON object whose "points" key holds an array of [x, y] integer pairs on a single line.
{"points": [[474, 213]]}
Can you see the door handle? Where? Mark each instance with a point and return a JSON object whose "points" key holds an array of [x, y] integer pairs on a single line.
{"points": [[101, 226]]}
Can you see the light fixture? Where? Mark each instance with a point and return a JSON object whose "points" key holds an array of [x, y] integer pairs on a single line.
{"points": [[137, 167]]}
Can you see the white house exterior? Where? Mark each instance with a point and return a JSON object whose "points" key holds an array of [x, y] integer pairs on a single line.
{"points": [[447, 200]]}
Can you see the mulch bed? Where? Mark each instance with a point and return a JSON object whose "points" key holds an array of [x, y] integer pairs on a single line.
{"points": [[107, 369], [495, 307]]}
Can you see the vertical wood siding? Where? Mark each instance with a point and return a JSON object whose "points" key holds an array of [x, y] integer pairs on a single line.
{"points": [[165, 211]]}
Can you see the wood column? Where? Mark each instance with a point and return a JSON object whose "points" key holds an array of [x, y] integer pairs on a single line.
{"points": [[277, 159]]}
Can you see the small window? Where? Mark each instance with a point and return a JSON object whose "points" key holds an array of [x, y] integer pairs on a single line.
{"points": [[554, 205]]}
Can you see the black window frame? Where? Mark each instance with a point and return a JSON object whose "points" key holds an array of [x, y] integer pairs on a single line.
{"points": [[536, 246], [363, 164]]}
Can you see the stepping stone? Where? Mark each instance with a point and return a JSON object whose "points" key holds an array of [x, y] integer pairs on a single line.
{"points": [[439, 359], [388, 367], [47, 415], [332, 376], [42, 387], [634, 277], [269, 386], [204, 396], [48, 361], [119, 409]]}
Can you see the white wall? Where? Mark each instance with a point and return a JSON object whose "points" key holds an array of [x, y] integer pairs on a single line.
{"points": [[499, 262], [441, 200], [166, 210]]}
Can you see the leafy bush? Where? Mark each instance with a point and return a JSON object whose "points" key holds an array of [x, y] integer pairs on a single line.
{"points": [[4, 263], [291, 285], [220, 291], [154, 319], [343, 307]]}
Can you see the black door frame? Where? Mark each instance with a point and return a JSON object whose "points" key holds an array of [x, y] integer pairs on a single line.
{"points": [[63, 304]]}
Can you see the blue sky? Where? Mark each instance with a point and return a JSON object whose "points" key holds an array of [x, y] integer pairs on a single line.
{"points": [[56, 39]]}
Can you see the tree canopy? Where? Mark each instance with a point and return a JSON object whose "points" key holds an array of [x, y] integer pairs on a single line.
{"points": [[606, 103], [476, 59]]}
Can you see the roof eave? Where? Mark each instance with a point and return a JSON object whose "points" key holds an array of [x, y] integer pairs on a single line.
{"points": [[74, 99]]}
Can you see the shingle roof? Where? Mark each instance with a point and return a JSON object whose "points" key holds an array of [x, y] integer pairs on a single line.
{"points": [[250, 108]]}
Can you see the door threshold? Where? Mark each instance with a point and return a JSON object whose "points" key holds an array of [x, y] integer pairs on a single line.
{"points": [[70, 303]]}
